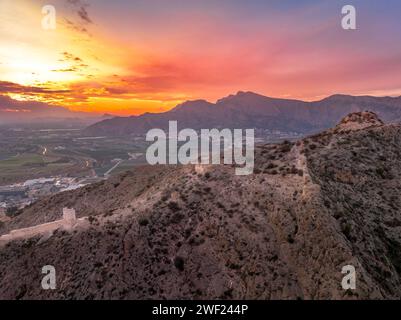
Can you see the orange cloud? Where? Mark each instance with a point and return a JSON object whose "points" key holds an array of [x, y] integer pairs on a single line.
{"points": [[134, 66]]}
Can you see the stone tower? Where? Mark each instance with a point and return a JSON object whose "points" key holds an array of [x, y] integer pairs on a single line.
{"points": [[69, 217]]}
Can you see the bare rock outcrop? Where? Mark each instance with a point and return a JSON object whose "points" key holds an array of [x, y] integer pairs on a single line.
{"points": [[358, 121]]}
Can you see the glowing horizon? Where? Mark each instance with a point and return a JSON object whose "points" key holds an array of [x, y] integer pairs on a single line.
{"points": [[127, 58]]}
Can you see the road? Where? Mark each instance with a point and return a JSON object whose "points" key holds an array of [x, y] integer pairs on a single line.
{"points": [[107, 174]]}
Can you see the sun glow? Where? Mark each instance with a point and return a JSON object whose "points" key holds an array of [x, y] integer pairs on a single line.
{"points": [[126, 59], [47, 63]]}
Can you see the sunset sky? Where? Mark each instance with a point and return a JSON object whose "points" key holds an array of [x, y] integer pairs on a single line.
{"points": [[131, 57]]}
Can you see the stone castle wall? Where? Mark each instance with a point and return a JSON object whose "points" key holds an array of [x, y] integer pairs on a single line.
{"points": [[67, 223]]}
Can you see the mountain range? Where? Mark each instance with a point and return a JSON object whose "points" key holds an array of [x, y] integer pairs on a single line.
{"points": [[251, 110]]}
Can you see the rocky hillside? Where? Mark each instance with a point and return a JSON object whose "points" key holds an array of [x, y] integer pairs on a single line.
{"points": [[251, 110], [202, 232], [357, 121]]}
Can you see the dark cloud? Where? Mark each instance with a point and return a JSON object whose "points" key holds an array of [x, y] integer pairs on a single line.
{"points": [[83, 14], [70, 56], [80, 18], [10, 108], [76, 63], [75, 26], [14, 111], [81, 10], [11, 87], [65, 70]]}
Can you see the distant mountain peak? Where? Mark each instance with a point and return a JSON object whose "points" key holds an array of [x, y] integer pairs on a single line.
{"points": [[193, 104], [246, 93], [108, 115], [241, 95]]}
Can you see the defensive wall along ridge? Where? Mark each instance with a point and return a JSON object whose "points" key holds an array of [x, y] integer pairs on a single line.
{"points": [[68, 222]]}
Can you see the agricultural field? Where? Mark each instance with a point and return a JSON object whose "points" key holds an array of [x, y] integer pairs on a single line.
{"points": [[32, 154], [30, 165]]}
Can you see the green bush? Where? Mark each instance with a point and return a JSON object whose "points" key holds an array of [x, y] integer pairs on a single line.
{"points": [[173, 206], [143, 221], [12, 212]]}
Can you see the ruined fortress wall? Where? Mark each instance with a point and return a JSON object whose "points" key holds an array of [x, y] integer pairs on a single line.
{"points": [[33, 231], [67, 223]]}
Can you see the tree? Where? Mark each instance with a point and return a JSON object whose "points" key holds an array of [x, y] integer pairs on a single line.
{"points": [[12, 212]]}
